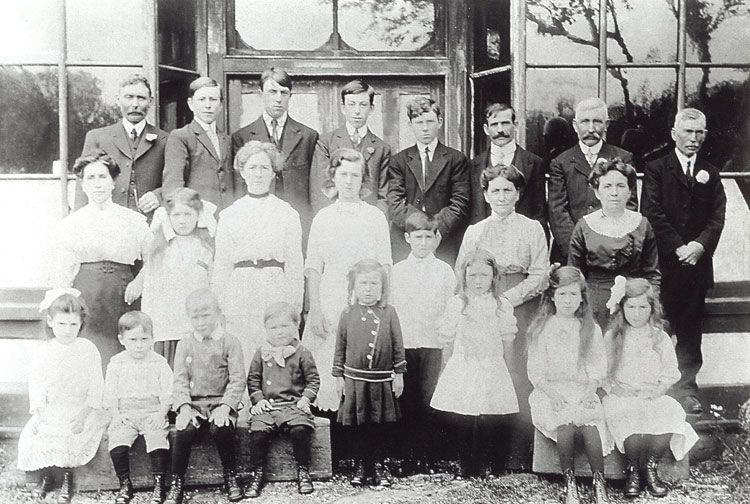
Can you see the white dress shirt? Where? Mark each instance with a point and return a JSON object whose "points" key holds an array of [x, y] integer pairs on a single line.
{"points": [[502, 155]]}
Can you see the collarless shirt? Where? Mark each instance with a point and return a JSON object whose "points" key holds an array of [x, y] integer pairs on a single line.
{"points": [[138, 127], [502, 155]]}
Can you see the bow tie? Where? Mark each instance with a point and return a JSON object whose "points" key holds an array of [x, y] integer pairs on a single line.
{"points": [[276, 353]]}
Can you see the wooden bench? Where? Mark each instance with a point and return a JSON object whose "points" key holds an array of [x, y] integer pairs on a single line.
{"points": [[205, 465], [546, 460]]}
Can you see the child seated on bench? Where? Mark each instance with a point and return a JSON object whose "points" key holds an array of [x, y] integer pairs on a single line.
{"points": [[138, 393], [209, 379], [282, 382]]}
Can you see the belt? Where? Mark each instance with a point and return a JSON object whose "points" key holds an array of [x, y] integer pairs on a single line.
{"points": [[260, 263], [106, 266]]}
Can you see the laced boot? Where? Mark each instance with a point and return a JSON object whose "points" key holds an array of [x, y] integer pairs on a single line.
{"points": [[381, 476], [126, 491], [176, 490], [304, 482], [157, 496], [232, 486], [359, 479], [253, 489], [66, 489], [654, 485], [632, 486], [600, 489], [43, 486], [571, 489]]}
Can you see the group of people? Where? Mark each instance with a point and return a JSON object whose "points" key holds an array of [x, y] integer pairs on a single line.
{"points": [[486, 352]]}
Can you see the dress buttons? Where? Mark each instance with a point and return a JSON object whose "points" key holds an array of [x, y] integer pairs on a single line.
{"points": [[369, 310], [268, 382], [371, 345], [377, 321], [270, 365], [270, 400], [192, 384], [369, 357], [374, 333], [364, 319]]}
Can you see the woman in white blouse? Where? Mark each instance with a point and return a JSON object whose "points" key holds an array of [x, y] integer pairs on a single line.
{"points": [[258, 258], [519, 246], [97, 250]]}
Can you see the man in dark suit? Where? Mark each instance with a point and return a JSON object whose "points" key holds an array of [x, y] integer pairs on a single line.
{"points": [[431, 178], [136, 146], [198, 154], [684, 200], [295, 141], [500, 128], [357, 102], [570, 197]]}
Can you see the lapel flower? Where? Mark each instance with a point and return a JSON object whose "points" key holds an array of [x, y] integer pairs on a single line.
{"points": [[617, 292], [151, 136], [370, 151], [702, 177]]}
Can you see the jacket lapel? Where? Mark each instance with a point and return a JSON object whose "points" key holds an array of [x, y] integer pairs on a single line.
{"points": [[291, 136], [438, 163], [145, 144], [367, 145], [676, 168], [120, 139], [415, 165], [578, 160], [202, 137]]}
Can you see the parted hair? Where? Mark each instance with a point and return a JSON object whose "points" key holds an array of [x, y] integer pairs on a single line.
{"points": [[134, 319], [279, 75], [419, 106], [190, 198], [420, 221], [202, 82], [97, 156], [254, 147], [363, 267], [479, 257], [351, 155], [358, 86], [604, 166], [508, 172], [136, 79], [495, 108], [66, 303]]}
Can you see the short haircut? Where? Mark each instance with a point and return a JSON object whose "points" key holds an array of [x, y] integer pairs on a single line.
{"points": [[496, 108], [351, 155], [604, 166], [420, 221], [689, 114], [358, 86], [254, 147], [277, 74], [200, 298], [281, 309], [368, 266], [592, 104], [419, 106], [508, 172], [97, 156], [202, 82], [134, 319], [66, 303], [136, 79]]}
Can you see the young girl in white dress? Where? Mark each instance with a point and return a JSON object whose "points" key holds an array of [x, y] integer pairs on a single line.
{"points": [[567, 365], [476, 385], [65, 397], [642, 366], [181, 260]]}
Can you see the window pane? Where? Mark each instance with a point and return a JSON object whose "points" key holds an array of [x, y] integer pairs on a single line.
{"points": [[387, 25], [561, 32], [177, 33], [29, 122], [554, 93], [718, 31], [91, 101], [28, 31], [301, 25], [106, 30], [721, 93], [491, 34], [641, 31], [641, 125]]}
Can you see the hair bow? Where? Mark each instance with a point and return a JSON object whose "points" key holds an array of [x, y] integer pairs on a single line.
{"points": [[617, 292], [205, 220], [53, 294]]}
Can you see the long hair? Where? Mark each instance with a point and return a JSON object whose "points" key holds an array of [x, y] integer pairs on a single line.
{"points": [[368, 266], [479, 257], [562, 277], [634, 287], [66, 303], [181, 196]]}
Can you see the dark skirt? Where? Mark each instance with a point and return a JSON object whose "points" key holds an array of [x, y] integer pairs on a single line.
{"points": [[167, 350], [365, 402], [599, 291], [102, 285]]}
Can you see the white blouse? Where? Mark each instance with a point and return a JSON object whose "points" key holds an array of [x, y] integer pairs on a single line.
{"points": [[645, 362], [114, 233]]}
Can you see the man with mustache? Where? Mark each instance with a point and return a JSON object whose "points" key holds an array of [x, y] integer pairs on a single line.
{"points": [[500, 127], [570, 197], [136, 146], [684, 200]]}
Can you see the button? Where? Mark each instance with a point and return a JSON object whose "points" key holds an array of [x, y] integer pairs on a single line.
{"points": [[268, 382], [374, 333], [132, 183], [364, 319], [369, 357], [192, 384], [369, 310], [377, 321], [270, 365], [371, 345], [270, 400]]}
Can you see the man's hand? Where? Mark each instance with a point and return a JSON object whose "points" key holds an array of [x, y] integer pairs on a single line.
{"points": [[148, 202], [692, 252], [261, 407], [220, 416], [304, 404]]}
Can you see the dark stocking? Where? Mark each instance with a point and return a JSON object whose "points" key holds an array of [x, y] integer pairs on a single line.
{"points": [[657, 444], [634, 448], [566, 446], [121, 461], [301, 439], [224, 439], [183, 444], [159, 459], [592, 443], [259, 441]]}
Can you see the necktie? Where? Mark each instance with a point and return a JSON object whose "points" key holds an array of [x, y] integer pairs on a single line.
{"points": [[133, 135], [214, 140], [591, 157], [425, 165], [356, 138], [689, 171], [275, 132]]}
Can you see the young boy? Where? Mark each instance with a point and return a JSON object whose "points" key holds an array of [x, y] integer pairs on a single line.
{"points": [[422, 285], [209, 379], [282, 381], [138, 393]]}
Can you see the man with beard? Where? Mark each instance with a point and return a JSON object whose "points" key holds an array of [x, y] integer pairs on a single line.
{"points": [[570, 197], [500, 127], [136, 146]]}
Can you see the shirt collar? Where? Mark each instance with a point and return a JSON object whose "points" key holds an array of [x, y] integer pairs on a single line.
{"points": [[362, 131], [507, 150], [206, 126], [683, 159], [595, 149], [281, 121], [507, 218], [432, 145], [216, 335], [138, 127]]}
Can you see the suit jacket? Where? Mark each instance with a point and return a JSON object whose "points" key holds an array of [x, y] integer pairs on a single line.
{"points": [[680, 212], [298, 146], [144, 166], [191, 161], [446, 196], [570, 197], [532, 202], [377, 154]]}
